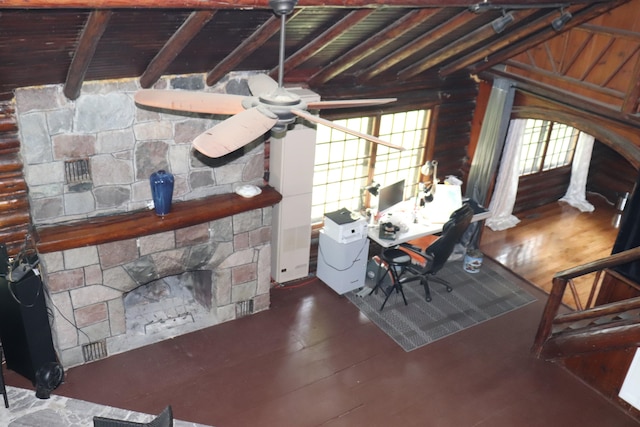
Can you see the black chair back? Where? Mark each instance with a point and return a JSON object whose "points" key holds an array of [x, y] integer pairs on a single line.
{"points": [[441, 249]]}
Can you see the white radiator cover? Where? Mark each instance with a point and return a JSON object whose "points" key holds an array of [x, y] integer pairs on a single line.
{"points": [[291, 164]]}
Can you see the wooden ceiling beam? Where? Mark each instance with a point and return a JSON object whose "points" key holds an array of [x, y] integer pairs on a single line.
{"points": [[630, 102], [377, 42], [463, 43], [509, 39], [262, 4], [414, 47], [579, 17], [91, 33], [323, 40], [246, 48], [178, 41]]}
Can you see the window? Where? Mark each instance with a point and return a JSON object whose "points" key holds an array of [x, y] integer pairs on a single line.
{"points": [[346, 164], [546, 145]]}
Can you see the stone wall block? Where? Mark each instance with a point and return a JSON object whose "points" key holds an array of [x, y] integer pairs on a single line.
{"points": [[60, 121], [115, 140], [117, 253], [264, 270], [65, 333], [247, 221], [53, 261], [238, 258], [141, 271], [222, 287], [65, 280], [254, 168], [201, 178], [118, 278], [260, 236], [261, 302], [186, 131], [45, 173], [226, 313], [267, 216], [170, 263], [241, 241], [228, 174], [109, 170], [199, 256], [93, 275], [193, 235], [93, 294], [243, 292], [73, 146], [179, 159], [103, 112], [50, 207], [91, 314], [244, 273], [79, 203], [35, 139], [223, 251], [38, 98], [46, 190], [117, 320], [153, 130], [150, 156], [112, 196], [95, 332], [80, 257], [157, 242]]}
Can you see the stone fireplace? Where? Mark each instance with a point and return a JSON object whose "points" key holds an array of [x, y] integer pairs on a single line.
{"points": [[148, 278], [130, 293]]}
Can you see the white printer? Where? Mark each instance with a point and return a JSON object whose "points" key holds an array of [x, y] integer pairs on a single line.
{"points": [[345, 226]]}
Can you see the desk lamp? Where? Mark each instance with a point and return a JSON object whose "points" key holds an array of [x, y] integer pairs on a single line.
{"points": [[427, 186], [372, 189]]}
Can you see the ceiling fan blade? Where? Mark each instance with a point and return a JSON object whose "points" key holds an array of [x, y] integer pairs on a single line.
{"points": [[196, 102], [316, 119], [348, 103], [235, 132], [261, 83]]}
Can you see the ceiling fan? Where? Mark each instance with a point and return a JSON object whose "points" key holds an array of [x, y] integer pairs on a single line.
{"points": [[271, 107]]}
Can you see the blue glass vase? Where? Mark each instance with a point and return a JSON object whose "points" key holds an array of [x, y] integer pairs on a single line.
{"points": [[161, 191]]}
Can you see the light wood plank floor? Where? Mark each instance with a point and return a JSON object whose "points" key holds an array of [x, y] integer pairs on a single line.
{"points": [[552, 238]]}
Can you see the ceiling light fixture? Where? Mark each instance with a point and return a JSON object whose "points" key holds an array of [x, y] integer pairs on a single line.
{"points": [[560, 21], [499, 24]]}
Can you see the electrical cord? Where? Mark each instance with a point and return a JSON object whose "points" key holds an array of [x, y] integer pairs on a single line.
{"points": [[364, 244]]}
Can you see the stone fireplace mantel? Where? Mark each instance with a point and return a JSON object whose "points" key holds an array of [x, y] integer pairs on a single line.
{"points": [[112, 228]]}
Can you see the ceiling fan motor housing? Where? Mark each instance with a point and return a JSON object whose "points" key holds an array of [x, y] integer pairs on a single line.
{"points": [[282, 7]]}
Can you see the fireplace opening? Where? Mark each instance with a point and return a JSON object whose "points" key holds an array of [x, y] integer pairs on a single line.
{"points": [[169, 302]]}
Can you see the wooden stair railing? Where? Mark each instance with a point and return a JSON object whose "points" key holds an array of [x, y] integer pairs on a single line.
{"points": [[605, 327]]}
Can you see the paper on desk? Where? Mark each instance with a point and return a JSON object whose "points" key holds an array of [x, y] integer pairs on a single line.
{"points": [[447, 199]]}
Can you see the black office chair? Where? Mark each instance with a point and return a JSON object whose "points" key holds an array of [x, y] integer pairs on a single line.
{"points": [[165, 419], [3, 389], [403, 270]]}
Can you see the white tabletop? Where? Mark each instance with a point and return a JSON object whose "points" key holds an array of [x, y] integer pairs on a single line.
{"points": [[413, 230]]}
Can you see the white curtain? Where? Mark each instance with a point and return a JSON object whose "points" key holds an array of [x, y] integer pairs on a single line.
{"points": [[576, 193], [504, 193]]}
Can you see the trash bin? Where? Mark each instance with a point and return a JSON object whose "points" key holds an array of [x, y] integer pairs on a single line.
{"points": [[473, 261]]}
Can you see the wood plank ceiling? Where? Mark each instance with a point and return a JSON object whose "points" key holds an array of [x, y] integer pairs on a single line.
{"points": [[338, 48]]}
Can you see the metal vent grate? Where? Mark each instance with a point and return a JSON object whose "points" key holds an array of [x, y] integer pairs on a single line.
{"points": [[77, 171], [94, 351], [244, 308]]}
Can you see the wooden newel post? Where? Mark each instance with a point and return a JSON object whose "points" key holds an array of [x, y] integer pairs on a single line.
{"points": [[549, 313]]}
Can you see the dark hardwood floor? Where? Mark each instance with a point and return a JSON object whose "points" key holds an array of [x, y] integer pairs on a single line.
{"points": [[553, 238], [314, 360]]}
